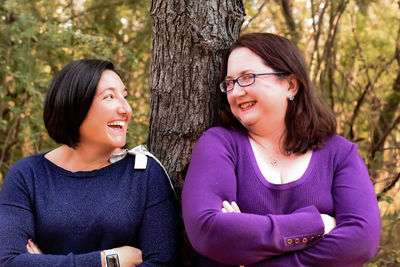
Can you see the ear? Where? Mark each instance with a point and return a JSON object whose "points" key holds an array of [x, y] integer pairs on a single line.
{"points": [[293, 84]]}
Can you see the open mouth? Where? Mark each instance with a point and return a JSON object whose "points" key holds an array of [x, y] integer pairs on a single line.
{"points": [[247, 104], [117, 125]]}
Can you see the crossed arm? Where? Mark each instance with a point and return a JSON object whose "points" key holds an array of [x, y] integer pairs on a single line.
{"points": [[249, 239]]}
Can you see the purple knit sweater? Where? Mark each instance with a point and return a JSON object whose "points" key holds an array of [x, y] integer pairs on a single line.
{"points": [[280, 224]]}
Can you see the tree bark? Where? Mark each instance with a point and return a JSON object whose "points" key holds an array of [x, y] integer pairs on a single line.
{"points": [[189, 37]]}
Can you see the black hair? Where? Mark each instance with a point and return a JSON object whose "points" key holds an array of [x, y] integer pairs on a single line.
{"points": [[69, 98]]}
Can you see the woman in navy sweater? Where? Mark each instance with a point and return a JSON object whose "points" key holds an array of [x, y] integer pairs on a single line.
{"points": [[72, 206]]}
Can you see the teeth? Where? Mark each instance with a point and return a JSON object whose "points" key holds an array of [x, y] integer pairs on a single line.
{"points": [[248, 104], [116, 123]]}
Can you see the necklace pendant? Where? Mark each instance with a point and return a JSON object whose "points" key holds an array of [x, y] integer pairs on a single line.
{"points": [[274, 162]]}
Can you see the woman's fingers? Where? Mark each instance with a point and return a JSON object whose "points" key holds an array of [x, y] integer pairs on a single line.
{"points": [[329, 222], [235, 207], [28, 248], [32, 248], [230, 207], [227, 206]]}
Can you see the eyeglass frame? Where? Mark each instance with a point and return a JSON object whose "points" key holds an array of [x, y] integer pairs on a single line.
{"points": [[237, 80]]}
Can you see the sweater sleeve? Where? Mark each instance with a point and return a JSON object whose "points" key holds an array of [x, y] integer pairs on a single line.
{"points": [[160, 226], [355, 239], [234, 238], [17, 225]]}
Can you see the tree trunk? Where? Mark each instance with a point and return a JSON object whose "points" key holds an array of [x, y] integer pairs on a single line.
{"points": [[188, 41], [189, 37]]}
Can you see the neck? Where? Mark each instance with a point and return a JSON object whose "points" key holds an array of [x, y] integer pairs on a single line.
{"points": [[269, 140], [81, 158]]}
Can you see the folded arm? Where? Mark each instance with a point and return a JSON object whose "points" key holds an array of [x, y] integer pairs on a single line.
{"points": [[235, 238], [17, 227], [355, 239]]}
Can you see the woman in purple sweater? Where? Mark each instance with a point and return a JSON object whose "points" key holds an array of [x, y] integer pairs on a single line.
{"points": [[276, 186]]}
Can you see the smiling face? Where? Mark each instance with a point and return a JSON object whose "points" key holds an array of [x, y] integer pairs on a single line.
{"points": [[262, 105], [107, 119]]}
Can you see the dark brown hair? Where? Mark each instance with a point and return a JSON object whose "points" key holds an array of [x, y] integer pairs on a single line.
{"points": [[308, 121]]}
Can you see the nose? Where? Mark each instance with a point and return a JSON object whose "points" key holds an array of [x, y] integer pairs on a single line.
{"points": [[124, 107], [238, 90]]}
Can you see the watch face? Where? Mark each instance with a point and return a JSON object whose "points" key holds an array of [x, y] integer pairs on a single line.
{"points": [[112, 260]]}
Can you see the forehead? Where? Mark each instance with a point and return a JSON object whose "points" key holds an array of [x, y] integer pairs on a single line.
{"points": [[243, 59], [109, 79]]}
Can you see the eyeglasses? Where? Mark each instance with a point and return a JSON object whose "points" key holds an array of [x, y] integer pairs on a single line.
{"points": [[244, 80]]}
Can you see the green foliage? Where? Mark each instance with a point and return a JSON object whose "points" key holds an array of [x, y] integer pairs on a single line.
{"points": [[350, 47], [38, 38]]}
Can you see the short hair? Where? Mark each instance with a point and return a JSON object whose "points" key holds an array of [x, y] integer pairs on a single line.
{"points": [[308, 121], [69, 98]]}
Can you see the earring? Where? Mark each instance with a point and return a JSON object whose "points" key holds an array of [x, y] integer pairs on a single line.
{"points": [[290, 96]]}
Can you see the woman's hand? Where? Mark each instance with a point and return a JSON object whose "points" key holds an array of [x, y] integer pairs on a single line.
{"points": [[128, 256], [329, 222], [32, 248], [230, 207]]}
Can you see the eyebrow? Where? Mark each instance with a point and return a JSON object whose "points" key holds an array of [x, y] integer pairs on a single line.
{"points": [[241, 73], [112, 89]]}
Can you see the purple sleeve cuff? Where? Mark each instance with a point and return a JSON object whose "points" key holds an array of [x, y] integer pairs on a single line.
{"points": [[299, 229]]}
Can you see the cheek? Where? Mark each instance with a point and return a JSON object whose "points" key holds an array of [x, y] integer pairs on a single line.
{"points": [[230, 100]]}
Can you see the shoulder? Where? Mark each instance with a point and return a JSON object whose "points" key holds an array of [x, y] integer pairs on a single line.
{"points": [[159, 185], [222, 131], [339, 148], [147, 165], [218, 144], [22, 173], [337, 140], [27, 165], [221, 135], [339, 144]]}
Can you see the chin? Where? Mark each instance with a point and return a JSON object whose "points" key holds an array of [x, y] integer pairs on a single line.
{"points": [[119, 144], [247, 123]]}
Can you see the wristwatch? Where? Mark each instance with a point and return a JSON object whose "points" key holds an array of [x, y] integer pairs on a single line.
{"points": [[112, 259]]}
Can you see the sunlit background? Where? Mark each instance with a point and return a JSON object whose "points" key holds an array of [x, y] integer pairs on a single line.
{"points": [[351, 47]]}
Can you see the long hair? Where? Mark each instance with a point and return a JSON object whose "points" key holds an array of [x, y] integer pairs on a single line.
{"points": [[308, 121]]}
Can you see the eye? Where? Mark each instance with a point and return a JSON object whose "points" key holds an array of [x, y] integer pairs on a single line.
{"points": [[109, 96], [229, 83], [246, 78]]}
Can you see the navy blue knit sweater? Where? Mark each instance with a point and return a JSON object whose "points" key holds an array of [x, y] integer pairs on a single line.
{"points": [[72, 216]]}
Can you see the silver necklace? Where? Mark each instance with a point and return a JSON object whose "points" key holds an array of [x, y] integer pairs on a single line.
{"points": [[274, 162]]}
